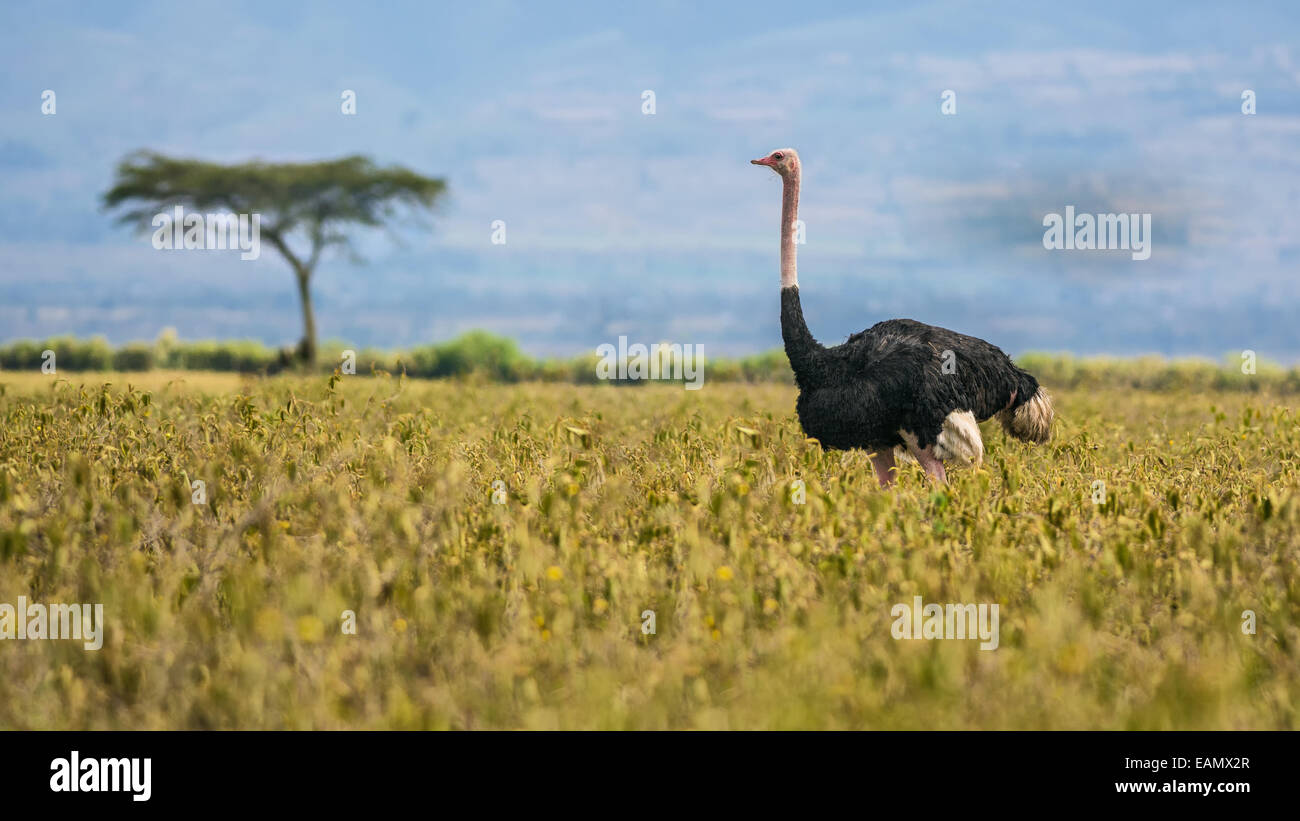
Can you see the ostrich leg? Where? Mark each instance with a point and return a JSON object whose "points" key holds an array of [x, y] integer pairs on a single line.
{"points": [[927, 459], [883, 462]]}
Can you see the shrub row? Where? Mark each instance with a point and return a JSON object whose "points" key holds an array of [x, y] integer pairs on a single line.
{"points": [[499, 359]]}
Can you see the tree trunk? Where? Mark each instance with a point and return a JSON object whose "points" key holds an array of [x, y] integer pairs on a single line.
{"points": [[307, 348]]}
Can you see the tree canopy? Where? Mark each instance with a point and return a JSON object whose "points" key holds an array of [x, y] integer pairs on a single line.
{"points": [[308, 204]]}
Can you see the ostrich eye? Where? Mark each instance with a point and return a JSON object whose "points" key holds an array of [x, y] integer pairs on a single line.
{"points": [[778, 156]]}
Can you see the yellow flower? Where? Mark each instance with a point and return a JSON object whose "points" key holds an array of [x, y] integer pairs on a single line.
{"points": [[725, 574], [311, 629], [399, 625], [770, 605], [554, 573]]}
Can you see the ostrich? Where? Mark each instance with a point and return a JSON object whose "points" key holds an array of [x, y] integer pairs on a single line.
{"points": [[900, 385]]}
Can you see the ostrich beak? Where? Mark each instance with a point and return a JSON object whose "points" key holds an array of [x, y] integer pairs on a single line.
{"points": [[762, 161]]}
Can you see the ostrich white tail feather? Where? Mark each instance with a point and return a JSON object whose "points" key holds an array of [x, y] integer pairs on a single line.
{"points": [[1032, 421], [959, 442]]}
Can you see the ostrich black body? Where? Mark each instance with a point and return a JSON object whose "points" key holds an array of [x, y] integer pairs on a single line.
{"points": [[890, 378]]}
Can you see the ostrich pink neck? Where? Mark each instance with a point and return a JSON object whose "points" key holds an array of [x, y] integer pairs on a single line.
{"points": [[789, 215]]}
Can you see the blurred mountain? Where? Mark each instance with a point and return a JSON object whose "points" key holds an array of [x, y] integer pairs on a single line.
{"points": [[655, 225]]}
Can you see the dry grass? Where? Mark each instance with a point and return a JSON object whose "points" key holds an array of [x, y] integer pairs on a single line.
{"points": [[376, 496]]}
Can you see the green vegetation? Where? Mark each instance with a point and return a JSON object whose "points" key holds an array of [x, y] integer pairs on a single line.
{"points": [[375, 495], [485, 356]]}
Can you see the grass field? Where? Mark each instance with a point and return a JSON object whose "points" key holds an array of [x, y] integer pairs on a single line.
{"points": [[376, 496]]}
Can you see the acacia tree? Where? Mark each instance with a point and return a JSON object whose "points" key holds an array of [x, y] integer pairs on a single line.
{"points": [[305, 205]]}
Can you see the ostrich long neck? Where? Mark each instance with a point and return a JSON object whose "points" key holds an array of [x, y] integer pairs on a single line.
{"points": [[800, 347], [789, 216]]}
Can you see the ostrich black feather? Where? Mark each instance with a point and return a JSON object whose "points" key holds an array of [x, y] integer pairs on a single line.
{"points": [[891, 378], [900, 383]]}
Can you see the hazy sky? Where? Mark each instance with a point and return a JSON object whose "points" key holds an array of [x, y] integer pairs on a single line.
{"points": [[656, 226]]}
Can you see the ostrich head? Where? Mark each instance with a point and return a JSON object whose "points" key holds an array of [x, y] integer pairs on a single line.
{"points": [[784, 161]]}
